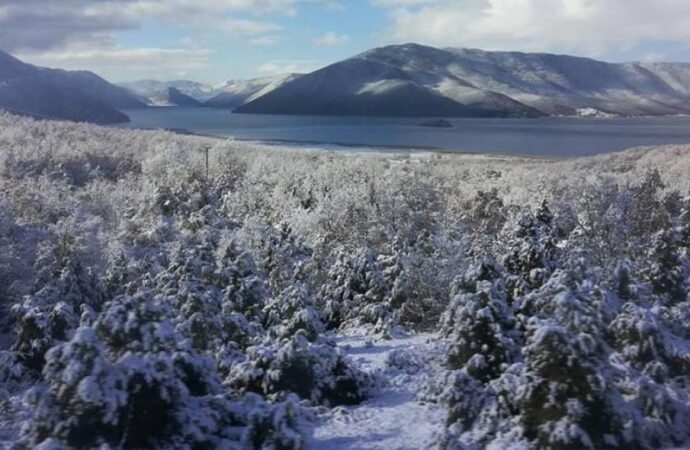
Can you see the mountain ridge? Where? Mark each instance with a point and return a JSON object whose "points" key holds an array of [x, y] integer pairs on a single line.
{"points": [[148, 88], [56, 93], [235, 93], [396, 80], [172, 96], [502, 84]]}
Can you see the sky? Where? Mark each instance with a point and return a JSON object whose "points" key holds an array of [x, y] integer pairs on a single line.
{"points": [[217, 40]]}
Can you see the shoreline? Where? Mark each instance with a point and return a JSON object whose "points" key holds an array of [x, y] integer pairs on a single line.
{"points": [[349, 148], [550, 139]]}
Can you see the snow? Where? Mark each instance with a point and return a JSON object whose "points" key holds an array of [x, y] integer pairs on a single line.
{"points": [[593, 113], [505, 83], [238, 92], [251, 300], [148, 88], [391, 418], [381, 87]]}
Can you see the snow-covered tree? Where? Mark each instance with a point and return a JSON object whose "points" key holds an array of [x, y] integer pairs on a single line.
{"points": [[644, 339], [487, 212], [532, 251], [280, 253], [356, 292], [293, 310], [245, 289], [227, 289], [52, 313], [318, 372], [478, 325], [131, 381], [566, 402], [669, 265]]}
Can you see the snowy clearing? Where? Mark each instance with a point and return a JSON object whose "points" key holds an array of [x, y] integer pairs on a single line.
{"points": [[391, 418]]}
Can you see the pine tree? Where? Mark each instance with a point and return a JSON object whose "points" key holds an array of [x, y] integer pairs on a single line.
{"points": [[293, 310], [623, 283], [53, 313], [395, 276], [533, 251], [644, 339], [478, 328], [245, 290], [194, 289], [318, 372], [651, 213], [487, 212], [131, 381], [565, 401], [356, 292], [280, 253], [669, 266]]}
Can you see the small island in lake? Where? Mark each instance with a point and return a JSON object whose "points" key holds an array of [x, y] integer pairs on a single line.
{"points": [[437, 123]]}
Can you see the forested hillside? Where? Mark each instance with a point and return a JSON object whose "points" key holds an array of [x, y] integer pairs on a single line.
{"points": [[151, 302]]}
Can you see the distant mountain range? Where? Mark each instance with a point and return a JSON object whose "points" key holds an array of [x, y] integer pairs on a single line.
{"points": [[415, 80], [230, 94], [171, 97], [238, 92], [73, 95], [399, 80], [149, 90]]}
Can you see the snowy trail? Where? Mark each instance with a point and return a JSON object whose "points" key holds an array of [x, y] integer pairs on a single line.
{"points": [[391, 418]]}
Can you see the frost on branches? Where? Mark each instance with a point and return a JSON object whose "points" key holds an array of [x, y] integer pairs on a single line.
{"points": [[148, 303], [131, 381], [581, 358]]}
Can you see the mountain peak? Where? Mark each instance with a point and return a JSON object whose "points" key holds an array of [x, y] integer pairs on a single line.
{"points": [[61, 94], [173, 96], [484, 83], [398, 49], [149, 88], [11, 67], [235, 93]]}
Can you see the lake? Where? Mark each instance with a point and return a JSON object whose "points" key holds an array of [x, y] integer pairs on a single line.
{"points": [[561, 137]]}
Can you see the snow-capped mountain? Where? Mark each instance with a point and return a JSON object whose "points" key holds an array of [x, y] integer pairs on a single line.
{"points": [[235, 93], [149, 89], [172, 97], [415, 80], [72, 95]]}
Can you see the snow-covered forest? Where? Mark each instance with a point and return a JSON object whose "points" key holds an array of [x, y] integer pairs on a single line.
{"points": [[277, 297]]}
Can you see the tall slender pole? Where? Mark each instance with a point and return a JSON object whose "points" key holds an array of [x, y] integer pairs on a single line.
{"points": [[206, 148]]}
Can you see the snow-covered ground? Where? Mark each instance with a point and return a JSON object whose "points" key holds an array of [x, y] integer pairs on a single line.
{"points": [[155, 298], [391, 418]]}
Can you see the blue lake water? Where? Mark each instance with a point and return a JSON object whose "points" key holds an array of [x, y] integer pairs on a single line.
{"points": [[557, 137]]}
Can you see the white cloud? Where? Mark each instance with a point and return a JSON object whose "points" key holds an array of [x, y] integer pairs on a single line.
{"points": [[82, 33], [123, 63], [279, 67], [585, 26], [223, 15], [186, 10], [653, 57], [32, 24], [330, 39], [176, 57], [50, 24]]}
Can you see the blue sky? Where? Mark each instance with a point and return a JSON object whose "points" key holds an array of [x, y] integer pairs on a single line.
{"points": [[217, 40], [315, 35]]}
